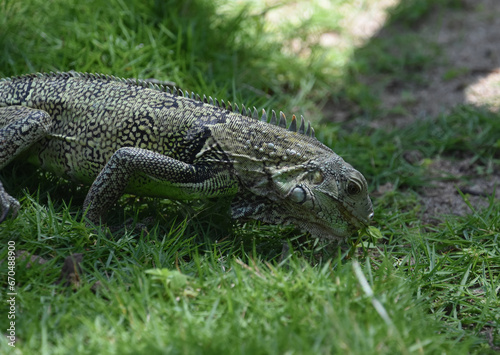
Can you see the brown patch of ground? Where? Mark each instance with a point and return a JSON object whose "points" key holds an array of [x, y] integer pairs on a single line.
{"points": [[466, 71], [443, 197]]}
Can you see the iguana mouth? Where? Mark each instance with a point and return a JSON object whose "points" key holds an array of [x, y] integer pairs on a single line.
{"points": [[353, 218], [357, 220]]}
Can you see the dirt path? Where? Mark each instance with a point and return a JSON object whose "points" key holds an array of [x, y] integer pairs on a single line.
{"points": [[465, 70]]}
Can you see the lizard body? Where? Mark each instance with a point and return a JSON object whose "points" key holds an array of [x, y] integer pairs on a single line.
{"points": [[123, 135]]}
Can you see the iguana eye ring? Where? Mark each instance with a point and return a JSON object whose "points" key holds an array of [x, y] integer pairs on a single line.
{"points": [[353, 188], [298, 194]]}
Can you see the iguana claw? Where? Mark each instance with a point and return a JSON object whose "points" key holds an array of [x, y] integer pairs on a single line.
{"points": [[7, 203]]}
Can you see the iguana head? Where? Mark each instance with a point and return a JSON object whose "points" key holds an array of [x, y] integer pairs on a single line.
{"points": [[327, 198], [287, 176]]}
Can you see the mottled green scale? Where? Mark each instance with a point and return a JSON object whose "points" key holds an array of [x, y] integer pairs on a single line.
{"points": [[93, 118], [125, 136]]}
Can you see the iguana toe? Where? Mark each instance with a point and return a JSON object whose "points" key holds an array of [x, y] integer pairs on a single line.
{"points": [[7, 203]]}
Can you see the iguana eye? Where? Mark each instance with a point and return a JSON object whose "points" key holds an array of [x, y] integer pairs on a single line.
{"points": [[353, 188], [298, 195]]}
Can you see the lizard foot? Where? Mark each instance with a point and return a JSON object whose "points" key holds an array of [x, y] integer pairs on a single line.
{"points": [[7, 203]]}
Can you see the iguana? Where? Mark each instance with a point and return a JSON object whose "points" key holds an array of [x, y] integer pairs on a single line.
{"points": [[132, 136]]}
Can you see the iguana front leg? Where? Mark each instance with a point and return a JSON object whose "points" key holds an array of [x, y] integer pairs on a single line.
{"points": [[20, 127], [153, 174]]}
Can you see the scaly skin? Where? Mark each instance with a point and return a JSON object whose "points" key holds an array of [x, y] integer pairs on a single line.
{"points": [[122, 135]]}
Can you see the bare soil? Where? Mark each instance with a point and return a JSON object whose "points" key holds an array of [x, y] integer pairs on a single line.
{"points": [[465, 71]]}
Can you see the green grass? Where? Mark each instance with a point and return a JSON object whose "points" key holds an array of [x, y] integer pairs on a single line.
{"points": [[196, 282]]}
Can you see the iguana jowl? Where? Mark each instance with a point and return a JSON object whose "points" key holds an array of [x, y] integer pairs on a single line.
{"points": [[123, 135]]}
